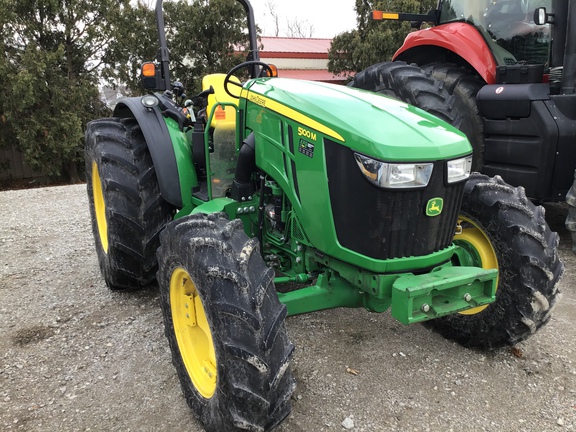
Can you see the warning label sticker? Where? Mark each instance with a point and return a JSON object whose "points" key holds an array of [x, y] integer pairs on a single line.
{"points": [[306, 148]]}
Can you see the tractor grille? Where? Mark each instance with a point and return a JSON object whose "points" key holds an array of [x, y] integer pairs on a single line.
{"points": [[383, 223]]}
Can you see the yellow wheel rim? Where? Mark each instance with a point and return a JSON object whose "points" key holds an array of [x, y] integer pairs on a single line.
{"points": [[99, 207], [193, 333], [484, 252]]}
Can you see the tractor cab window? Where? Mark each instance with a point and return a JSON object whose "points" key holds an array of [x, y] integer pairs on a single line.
{"points": [[507, 26]]}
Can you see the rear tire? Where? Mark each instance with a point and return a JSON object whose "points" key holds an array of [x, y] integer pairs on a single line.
{"points": [[126, 207], [502, 228], [234, 364], [464, 86], [571, 217], [409, 84]]}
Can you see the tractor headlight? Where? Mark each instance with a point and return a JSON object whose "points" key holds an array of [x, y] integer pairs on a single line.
{"points": [[459, 169], [394, 175]]}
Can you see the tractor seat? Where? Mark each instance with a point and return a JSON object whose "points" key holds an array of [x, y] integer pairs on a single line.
{"points": [[223, 114]]}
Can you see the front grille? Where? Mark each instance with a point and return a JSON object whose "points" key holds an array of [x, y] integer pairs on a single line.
{"points": [[383, 223]]}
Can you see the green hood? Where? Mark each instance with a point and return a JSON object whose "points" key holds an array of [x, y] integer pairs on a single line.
{"points": [[368, 122]]}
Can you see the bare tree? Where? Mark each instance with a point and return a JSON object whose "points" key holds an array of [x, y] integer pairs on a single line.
{"points": [[299, 29], [295, 28], [271, 6]]}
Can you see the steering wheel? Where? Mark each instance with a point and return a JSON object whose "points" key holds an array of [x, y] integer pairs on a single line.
{"points": [[227, 80]]}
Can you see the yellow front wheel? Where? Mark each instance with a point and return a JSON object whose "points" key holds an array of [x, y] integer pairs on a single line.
{"points": [[503, 230], [225, 324], [474, 240], [193, 332]]}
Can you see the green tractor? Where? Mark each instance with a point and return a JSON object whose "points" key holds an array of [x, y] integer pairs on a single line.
{"points": [[280, 197]]}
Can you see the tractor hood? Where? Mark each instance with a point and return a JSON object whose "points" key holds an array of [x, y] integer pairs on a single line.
{"points": [[367, 122]]}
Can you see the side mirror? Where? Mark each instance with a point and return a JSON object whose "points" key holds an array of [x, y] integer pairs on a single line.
{"points": [[541, 17]]}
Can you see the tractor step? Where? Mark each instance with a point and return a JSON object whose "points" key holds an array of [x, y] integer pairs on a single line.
{"points": [[417, 298]]}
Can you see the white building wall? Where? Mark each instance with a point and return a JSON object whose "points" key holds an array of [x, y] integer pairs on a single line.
{"points": [[297, 63]]}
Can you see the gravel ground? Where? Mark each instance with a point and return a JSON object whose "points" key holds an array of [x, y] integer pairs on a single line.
{"points": [[76, 357]]}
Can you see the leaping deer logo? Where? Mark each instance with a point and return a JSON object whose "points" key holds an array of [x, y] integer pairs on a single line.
{"points": [[434, 207]]}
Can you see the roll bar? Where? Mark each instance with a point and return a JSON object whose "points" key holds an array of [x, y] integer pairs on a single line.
{"points": [[163, 54]]}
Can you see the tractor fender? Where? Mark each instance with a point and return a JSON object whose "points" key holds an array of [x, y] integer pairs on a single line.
{"points": [[159, 144], [458, 38]]}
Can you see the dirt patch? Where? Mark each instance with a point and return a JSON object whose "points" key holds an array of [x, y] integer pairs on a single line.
{"points": [[27, 336]]}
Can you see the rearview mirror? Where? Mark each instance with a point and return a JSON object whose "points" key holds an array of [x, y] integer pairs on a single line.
{"points": [[541, 17]]}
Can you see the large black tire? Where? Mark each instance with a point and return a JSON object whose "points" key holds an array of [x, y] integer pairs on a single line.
{"points": [[126, 207], [233, 362], [409, 84], [501, 225], [571, 217], [464, 84]]}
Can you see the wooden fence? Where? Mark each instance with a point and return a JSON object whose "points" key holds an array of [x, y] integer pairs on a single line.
{"points": [[17, 168]]}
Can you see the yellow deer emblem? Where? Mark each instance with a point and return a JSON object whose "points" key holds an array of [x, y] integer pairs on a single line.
{"points": [[434, 207]]}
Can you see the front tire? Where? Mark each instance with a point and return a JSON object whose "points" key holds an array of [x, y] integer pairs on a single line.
{"points": [[224, 324], [502, 229], [126, 207]]}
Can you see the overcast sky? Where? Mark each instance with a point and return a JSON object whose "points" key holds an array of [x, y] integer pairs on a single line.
{"points": [[329, 17]]}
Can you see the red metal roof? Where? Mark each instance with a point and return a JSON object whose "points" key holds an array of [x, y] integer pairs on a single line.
{"points": [[283, 47], [299, 48]]}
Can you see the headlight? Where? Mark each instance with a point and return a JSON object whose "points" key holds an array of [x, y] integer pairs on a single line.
{"points": [[149, 101], [459, 169], [394, 175]]}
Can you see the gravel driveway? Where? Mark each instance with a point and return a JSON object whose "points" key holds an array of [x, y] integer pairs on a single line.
{"points": [[76, 357]]}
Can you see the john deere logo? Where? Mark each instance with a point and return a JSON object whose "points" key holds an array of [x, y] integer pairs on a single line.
{"points": [[434, 207]]}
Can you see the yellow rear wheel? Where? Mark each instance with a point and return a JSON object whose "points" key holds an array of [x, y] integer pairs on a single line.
{"points": [[99, 207], [193, 333], [127, 209]]}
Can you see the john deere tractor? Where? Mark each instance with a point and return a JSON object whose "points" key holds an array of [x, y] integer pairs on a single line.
{"points": [[511, 67], [277, 197]]}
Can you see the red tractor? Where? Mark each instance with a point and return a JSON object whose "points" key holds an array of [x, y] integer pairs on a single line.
{"points": [[510, 66]]}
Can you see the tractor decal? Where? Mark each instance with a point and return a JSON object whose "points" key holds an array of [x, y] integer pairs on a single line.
{"points": [[291, 114]]}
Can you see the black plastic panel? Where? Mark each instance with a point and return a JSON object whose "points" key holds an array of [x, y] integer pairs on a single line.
{"points": [[383, 223], [519, 74], [514, 101], [522, 149]]}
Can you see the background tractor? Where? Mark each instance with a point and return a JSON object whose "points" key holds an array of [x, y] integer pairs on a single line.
{"points": [[511, 67], [277, 197]]}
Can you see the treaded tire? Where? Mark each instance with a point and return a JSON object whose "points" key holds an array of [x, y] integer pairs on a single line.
{"points": [[132, 209], [571, 217], [529, 266], [409, 84], [246, 320], [464, 86]]}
